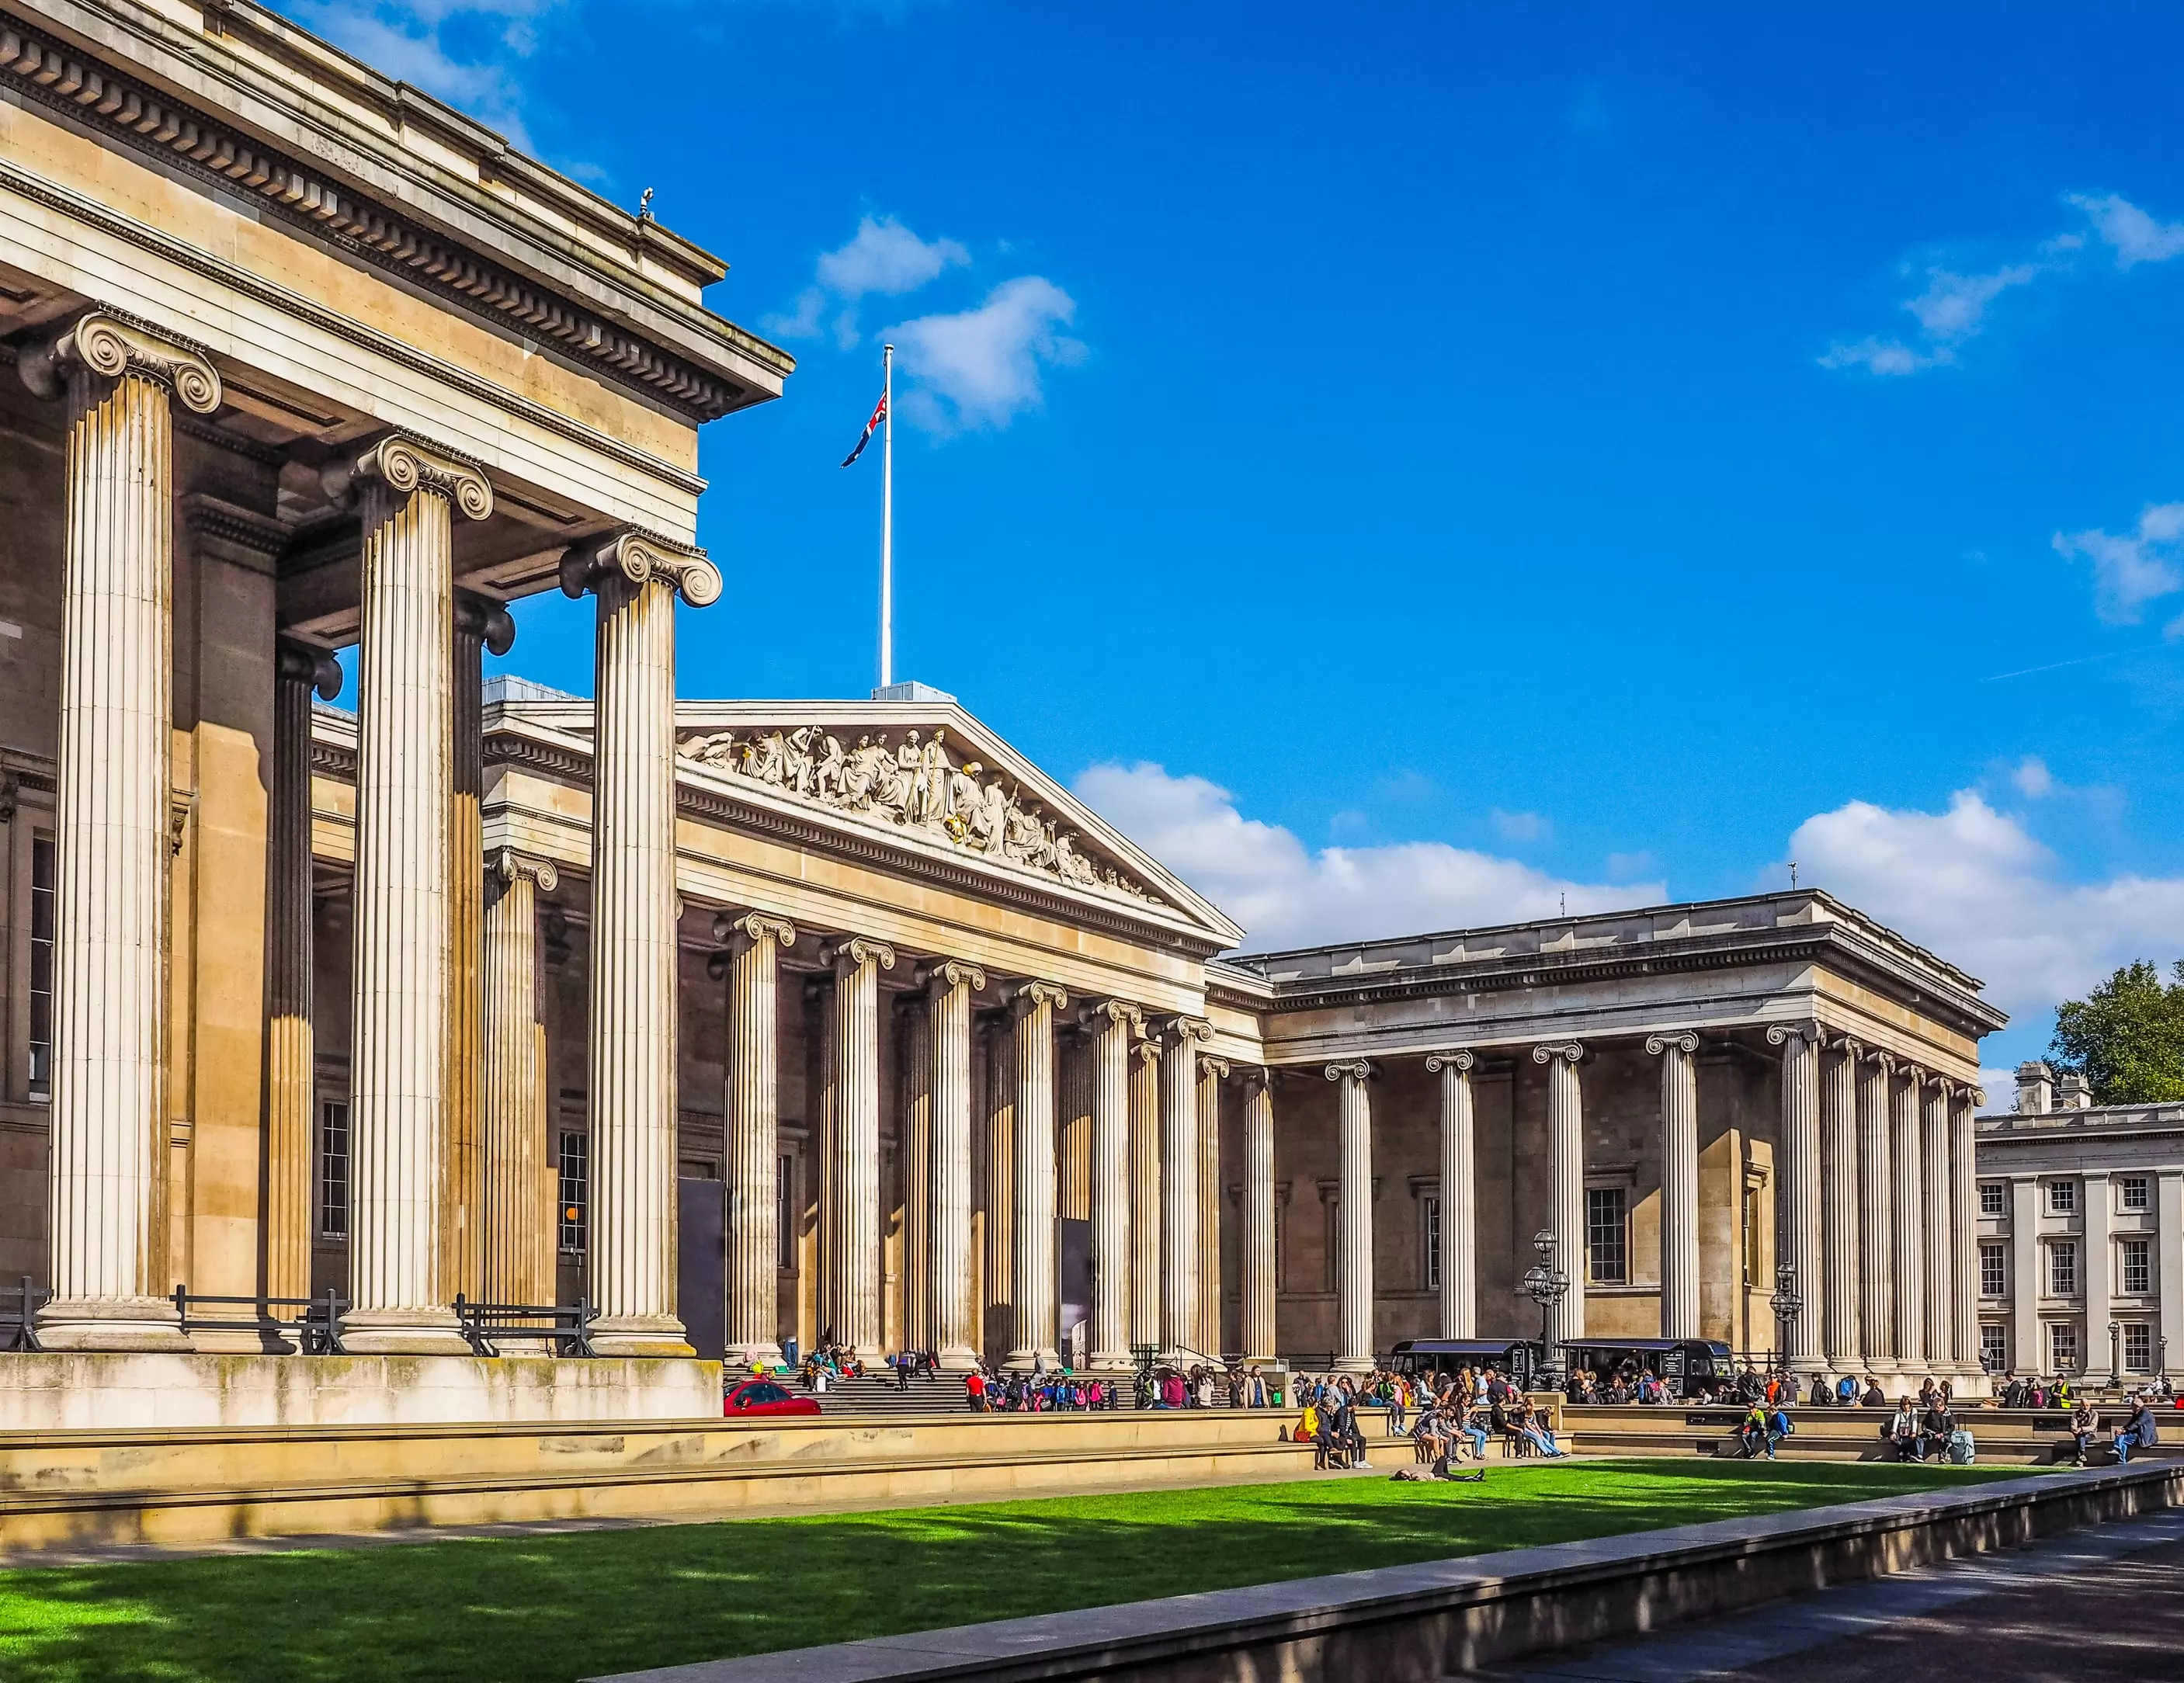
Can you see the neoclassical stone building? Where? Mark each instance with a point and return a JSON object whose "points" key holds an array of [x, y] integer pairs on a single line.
{"points": [[743, 1022]]}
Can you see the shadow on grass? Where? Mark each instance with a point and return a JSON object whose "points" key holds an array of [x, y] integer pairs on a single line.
{"points": [[552, 1608]]}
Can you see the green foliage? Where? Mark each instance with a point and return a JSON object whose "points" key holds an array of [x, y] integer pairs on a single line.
{"points": [[2126, 1036], [553, 1609]]}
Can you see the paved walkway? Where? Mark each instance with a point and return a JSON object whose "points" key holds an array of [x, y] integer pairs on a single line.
{"points": [[2097, 1605]]}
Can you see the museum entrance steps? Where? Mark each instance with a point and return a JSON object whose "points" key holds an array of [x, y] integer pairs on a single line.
{"points": [[2006, 1437]]}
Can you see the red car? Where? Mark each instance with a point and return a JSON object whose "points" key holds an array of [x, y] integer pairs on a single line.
{"points": [[757, 1397]]}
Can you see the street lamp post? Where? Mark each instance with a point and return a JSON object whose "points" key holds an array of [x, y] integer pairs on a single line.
{"points": [[2115, 1360], [1787, 1305], [1546, 1285]]}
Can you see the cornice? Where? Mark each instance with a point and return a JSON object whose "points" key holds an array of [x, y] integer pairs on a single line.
{"points": [[125, 108]]}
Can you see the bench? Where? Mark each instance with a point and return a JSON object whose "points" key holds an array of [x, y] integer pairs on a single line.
{"points": [[564, 1329], [314, 1325], [21, 1324]]}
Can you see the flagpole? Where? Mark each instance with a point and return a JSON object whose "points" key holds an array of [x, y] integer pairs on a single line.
{"points": [[887, 516]]}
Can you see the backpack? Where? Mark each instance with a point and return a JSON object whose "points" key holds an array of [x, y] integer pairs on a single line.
{"points": [[1782, 1425], [1961, 1448]]}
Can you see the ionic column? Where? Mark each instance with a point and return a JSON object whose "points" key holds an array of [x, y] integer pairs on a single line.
{"points": [[1073, 1126], [290, 1050], [519, 1177], [1459, 1196], [1179, 1321], [1146, 1203], [1910, 1252], [631, 1031], [1258, 1218], [849, 1300], [1353, 1272], [914, 1034], [1113, 1024], [1038, 1268], [479, 625], [1940, 1302], [1963, 1228], [1876, 1228], [1212, 1072], [1800, 1171], [750, 1292], [1837, 1291], [995, 1195], [105, 1211], [1566, 1184], [1679, 1183], [400, 969]]}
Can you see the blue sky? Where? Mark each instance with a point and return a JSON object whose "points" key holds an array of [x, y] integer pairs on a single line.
{"points": [[1412, 464]]}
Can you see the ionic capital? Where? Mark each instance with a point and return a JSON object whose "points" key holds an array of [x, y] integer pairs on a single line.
{"points": [[858, 951], [951, 973], [1357, 1069], [1687, 1043], [486, 620], [1030, 995], [118, 346], [1811, 1034], [406, 466], [638, 557], [1107, 1012], [1570, 1051], [757, 927], [1214, 1067], [1185, 1030], [508, 865], [301, 663], [1457, 1062]]}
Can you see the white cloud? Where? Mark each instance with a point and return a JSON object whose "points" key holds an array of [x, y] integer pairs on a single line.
{"points": [[882, 258], [1976, 886], [2032, 777], [1882, 356], [1518, 826], [981, 367], [465, 52], [2133, 235], [1954, 305], [1264, 877], [2132, 570]]}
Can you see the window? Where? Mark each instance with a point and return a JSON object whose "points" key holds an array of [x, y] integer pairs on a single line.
{"points": [[1994, 1349], [1281, 1250], [1429, 1212], [1992, 1197], [784, 1211], [41, 968], [2137, 1347], [2138, 1265], [2062, 1346], [576, 1188], [333, 1169], [2063, 1268], [1606, 1247], [1994, 1279], [2133, 1190], [2062, 1197]]}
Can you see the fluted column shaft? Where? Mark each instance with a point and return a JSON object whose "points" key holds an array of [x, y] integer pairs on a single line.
{"points": [[105, 1205], [1111, 1190], [1679, 1183], [1076, 1080], [1910, 1249], [914, 1022], [1179, 1321], [1963, 1231], [1876, 1231], [1212, 1072], [955, 1335], [996, 1194], [1800, 1173], [518, 1175], [462, 1238], [1146, 1205], [1838, 1290], [1459, 1196], [1038, 1268], [751, 1295], [291, 1050], [1353, 1273], [404, 787], [1566, 1185], [1940, 1302], [1259, 1218], [850, 1306]]}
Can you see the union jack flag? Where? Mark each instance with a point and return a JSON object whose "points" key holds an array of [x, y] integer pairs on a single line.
{"points": [[880, 415]]}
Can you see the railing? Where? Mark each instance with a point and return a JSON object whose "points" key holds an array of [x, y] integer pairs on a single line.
{"points": [[22, 1326], [565, 1327], [315, 1326]]}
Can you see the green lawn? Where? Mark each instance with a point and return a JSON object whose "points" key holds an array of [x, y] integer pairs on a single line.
{"points": [[546, 1610]]}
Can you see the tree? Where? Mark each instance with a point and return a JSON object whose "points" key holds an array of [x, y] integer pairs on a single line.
{"points": [[2126, 1036]]}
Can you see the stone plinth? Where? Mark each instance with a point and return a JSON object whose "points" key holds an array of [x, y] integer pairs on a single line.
{"points": [[119, 1391]]}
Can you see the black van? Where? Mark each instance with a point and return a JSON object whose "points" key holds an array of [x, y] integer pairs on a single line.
{"points": [[1423, 1357], [1684, 1364]]}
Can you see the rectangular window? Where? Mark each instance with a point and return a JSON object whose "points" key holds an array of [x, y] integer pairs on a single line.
{"points": [[41, 969], [1994, 1349], [2134, 1191], [1606, 1236], [575, 1190], [2062, 1197], [333, 1169], [2063, 1347], [2063, 1268], [2137, 1347], [1994, 1281], [784, 1211], [1430, 1210], [2138, 1265], [1992, 1194]]}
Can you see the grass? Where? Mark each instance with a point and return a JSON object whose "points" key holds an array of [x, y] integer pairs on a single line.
{"points": [[546, 1610]]}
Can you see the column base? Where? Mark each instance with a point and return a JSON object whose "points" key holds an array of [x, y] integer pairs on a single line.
{"points": [[955, 1358], [1030, 1361], [1353, 1365], [742, 1359], [640, 1335], [119, 1323], [402, 1332]]}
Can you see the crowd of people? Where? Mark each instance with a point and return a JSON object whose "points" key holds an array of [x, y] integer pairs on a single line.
{"points": [[1457, 1416]]}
